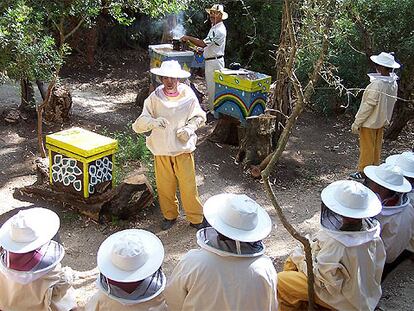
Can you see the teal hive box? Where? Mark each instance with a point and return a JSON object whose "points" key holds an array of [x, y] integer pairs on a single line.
{"points": [[240, 93]]}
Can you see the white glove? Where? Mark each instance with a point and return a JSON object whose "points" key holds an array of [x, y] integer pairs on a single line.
{"points": [[184, 134], [354, 128], [160, 123]]}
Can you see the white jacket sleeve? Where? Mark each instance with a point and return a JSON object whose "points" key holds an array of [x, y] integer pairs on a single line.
{"points": [[369, 100], [197, 117], [144, 122]]}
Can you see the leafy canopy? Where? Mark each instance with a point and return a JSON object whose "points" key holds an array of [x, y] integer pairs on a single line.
{"points": [[33, 32]]}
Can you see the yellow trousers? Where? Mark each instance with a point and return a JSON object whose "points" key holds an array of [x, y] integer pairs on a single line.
{"points": [[292, 290], [370, 144], [173, 170]]}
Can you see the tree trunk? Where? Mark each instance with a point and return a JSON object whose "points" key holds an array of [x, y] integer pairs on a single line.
{"points": [[132, 195], [42, 86], [124, 201], [58, 107], [257, 141], [91, 44], [402, 115], [280, 101], [302, 98], [28, 101], [404, 109]]}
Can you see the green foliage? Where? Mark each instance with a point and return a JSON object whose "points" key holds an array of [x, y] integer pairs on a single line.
{"points": [[253, 30], [388, 26], [131, 148], [254, 33], [26, 50], [33, 32]]}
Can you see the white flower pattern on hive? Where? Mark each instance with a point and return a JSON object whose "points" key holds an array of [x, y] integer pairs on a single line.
{"points": [[65, 170], [99, 172]]}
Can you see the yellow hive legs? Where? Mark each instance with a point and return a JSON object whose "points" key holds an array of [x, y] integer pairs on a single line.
{"points": [[171, 171], [50, 166], [85, 180]]}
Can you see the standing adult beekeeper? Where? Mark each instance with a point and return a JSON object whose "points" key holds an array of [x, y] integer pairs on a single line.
{"points": [[172, 113], [375, 111], [214, 45]]}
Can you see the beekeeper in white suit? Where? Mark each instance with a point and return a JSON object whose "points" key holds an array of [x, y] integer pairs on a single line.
{"points": [[172, 114], [229, 271], [130, 278], [31, 276], [405, 161], [214, 46], [397, 214], [348, 254]]}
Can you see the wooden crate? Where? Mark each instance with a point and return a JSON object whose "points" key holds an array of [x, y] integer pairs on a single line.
{"points": [[80, 161]]}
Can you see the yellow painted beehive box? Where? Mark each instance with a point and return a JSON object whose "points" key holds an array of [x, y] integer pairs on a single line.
{"points": [[80, 160]]}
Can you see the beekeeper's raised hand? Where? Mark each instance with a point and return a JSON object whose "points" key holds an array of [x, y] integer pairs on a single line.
{"points": [[184, 133], [160, 123]]}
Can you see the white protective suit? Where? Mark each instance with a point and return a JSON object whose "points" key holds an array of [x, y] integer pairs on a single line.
{"points": [[397, 228], [149, 293], [348, 267], [51, 292], [216, 278], [411, 196], [179, 112], [216, 45], [377, 102]]}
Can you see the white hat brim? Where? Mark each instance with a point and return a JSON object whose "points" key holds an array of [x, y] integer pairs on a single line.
{"points": [[372, 208], [224, 15], [376, 60], [179, 74], [370, 172], [211, 213], [392, 159], [153, 247], [50, 224]]}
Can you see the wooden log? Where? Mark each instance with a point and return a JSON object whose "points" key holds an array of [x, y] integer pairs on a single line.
{"points": [[90, 207], [131, 196], [124, 201]]}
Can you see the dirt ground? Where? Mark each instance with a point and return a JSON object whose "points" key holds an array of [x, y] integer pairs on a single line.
{"points": [[319, 152]]}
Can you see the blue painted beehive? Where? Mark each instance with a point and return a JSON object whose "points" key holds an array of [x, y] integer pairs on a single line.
{"points": [[240, 93]]}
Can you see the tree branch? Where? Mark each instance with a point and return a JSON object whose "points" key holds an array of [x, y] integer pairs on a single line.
{"points": [[74, 29], [303, 97]]}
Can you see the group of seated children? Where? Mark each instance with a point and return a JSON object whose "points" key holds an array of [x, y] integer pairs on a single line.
{"points": [[363, 227]]}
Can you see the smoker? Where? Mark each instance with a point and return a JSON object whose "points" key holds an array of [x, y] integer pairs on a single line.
{"points": [[178, 45]]}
